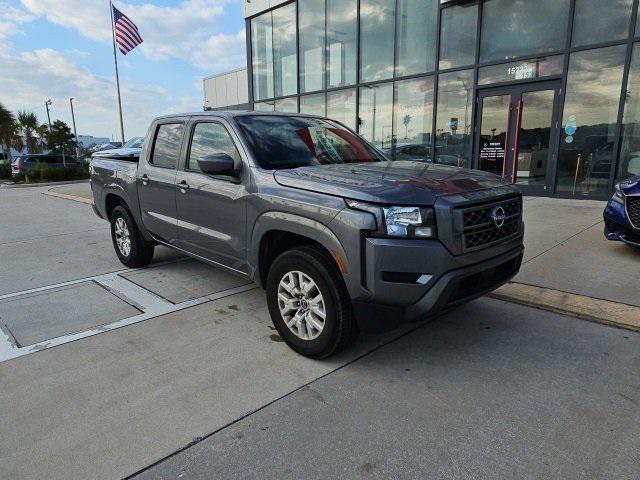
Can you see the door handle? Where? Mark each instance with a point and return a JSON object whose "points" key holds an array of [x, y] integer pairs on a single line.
{"points": [[183, 186], [145, 179]]}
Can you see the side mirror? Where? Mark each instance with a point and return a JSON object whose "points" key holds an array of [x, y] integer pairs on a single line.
{"points": [[217, 164]]}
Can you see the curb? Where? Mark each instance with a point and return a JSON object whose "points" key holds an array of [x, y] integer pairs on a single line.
{"points": [[595, 310], [66, 196], [43, 184]]}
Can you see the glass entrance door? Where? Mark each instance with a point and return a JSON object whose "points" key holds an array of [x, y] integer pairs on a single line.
{"points": [[516, 134]]}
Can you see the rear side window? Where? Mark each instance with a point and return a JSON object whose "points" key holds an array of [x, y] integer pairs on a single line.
{"points": [[166, 147], [209, 138]]}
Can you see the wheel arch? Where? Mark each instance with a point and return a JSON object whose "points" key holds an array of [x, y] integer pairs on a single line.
{"points": [[277, 232]]}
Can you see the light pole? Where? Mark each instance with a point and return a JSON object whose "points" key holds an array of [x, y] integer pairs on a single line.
{"points": [[46, 104], [75, 133]]}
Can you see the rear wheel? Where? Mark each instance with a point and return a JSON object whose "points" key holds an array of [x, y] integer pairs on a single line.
{"points": [[131, 248], [309, 303]]}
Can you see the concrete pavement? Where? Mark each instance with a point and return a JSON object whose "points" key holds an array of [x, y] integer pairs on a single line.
{"points": [[566, 250], [46, 240], [492, 390]]}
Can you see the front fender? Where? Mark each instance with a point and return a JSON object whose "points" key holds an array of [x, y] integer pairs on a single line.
{"points": [[297, 224]]}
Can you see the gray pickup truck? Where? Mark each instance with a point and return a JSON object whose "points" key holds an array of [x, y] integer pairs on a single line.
{"points": [[341, 238]]}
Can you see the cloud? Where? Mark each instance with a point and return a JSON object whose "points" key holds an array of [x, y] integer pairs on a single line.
{"points": [[53, 75], [10, 20], [190, 31]]}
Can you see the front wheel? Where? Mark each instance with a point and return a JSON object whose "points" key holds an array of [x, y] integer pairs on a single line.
{"points": [[131, 248], [309, 303]]}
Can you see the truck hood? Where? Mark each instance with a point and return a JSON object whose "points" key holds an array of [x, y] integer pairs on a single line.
{"points": [[398, 183]]}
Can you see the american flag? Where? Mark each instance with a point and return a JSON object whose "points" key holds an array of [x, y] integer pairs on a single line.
{"points": [[127, 35]]}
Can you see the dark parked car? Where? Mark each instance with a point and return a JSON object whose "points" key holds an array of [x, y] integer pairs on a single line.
{"points": [[25, 163], [622, 213], [341, 238]]}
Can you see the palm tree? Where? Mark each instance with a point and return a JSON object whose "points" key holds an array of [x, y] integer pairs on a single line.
{"points": [[406, 120], [8, 130], [28, 126]]}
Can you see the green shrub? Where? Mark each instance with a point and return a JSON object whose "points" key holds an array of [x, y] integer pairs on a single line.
{"points": [[5, 170], [42, 172], [17, 178]]}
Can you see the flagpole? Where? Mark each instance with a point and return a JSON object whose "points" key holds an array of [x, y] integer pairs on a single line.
{"points": [[115, 59]]}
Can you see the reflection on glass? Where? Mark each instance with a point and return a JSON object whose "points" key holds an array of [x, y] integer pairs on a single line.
{"points": [[341, 106], [453, 118], [284, 51], [377, 21], [208, 138], [638, 25], [526, 69], [599, 21], [286, 105], [417, 25], [589, 120], [166, 148], [342, 25], [413, 119], [494, 128], [514, 28], [630, 150], [262, 56], [535, 137], [264, 106], [375, 122], [312, 49], [312, 104], [458, 35]]}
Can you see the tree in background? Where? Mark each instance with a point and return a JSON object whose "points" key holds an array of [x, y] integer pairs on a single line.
{"points": [[8, 130], [60, 139], [28, 128]]}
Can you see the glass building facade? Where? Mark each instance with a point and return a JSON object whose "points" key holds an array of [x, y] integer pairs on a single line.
{"points": [[545, 93]]}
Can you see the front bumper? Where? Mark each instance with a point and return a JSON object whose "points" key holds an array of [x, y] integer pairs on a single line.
{"points": [[398, 303], [617, 226]]}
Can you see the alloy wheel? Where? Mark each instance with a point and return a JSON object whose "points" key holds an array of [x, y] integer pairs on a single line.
{"points": [[301, 305], [123, 238]]}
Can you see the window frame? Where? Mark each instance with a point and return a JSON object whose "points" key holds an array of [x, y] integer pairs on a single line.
{"points": [[155, 137]]}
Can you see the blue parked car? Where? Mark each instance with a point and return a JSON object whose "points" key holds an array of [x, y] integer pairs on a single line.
{"points": [[622, 214]]}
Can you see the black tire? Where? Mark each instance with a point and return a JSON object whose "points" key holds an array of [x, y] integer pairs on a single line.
{"points": [[140, 252], [340, 329]]}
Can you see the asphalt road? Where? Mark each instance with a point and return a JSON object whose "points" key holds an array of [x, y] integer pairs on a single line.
{"points": [[208, 390]]}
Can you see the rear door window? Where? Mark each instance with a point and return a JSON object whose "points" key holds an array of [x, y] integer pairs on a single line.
{"points": [[166, 147]]}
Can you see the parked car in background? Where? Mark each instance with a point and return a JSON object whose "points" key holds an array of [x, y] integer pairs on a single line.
{"points": [[622, 213], [130, 149], [104, 146], [25, 163], [341, 238]]}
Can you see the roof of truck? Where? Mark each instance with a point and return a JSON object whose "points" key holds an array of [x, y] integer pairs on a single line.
{"points": [[229, 114]]}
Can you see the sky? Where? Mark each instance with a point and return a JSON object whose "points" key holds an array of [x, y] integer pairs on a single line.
{"points": [[59, 49]]}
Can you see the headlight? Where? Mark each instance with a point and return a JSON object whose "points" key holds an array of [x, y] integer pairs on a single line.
{"points": [[404, 222], [618, 196]]}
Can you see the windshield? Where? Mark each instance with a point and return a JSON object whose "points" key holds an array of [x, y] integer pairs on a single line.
{"points": [[290, 142], [135, 142]]}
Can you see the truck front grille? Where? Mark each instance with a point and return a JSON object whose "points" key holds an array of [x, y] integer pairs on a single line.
{"points": [[490, 224], [633, 210]]}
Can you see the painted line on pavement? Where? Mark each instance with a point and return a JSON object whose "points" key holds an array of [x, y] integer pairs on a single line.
{"points": [[67, 196], [149, 303], [595, 310]]}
